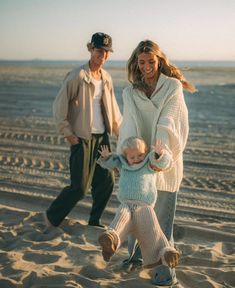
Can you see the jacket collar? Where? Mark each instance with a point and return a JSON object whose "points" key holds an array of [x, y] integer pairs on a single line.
{"points": [[88, 77]]}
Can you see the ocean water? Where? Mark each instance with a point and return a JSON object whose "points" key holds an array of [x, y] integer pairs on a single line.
{"points": [[28, 88]]}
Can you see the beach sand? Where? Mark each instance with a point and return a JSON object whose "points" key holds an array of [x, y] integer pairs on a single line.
{"points": [[34, 168]]}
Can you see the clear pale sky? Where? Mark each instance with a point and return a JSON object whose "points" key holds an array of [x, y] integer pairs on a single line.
{"points": [[59, 29]]}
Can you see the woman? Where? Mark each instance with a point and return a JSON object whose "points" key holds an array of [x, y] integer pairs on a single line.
{"points": [[154, 108]]}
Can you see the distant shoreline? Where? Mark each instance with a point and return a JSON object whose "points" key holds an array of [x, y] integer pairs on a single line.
{"points": [[118, 63]]}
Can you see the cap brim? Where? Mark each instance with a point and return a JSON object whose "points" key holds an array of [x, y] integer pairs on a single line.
{"points": [[104, 47]]}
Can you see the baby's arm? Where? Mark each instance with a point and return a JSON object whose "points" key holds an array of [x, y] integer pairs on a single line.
{"points": [[160, 157], [104, 152]]}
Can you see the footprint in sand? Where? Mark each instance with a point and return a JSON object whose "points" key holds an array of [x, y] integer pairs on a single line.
{"points": [[50, 247], [42, 258]]}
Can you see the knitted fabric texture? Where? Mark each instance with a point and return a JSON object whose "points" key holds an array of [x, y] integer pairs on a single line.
{"points": [[137, 182], [143, 223], [164, 117]]}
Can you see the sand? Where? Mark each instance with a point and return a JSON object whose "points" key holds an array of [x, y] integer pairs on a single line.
{"points": [[33, 169]]}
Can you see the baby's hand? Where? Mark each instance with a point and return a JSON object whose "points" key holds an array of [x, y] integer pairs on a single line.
{"points": [[159, 146], [104, 151]]}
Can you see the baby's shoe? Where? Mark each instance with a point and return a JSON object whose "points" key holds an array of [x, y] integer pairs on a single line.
{"points": [[108, 242], [170, 257]]}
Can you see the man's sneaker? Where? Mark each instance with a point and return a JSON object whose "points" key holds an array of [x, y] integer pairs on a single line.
{"points": [[96, 224]]}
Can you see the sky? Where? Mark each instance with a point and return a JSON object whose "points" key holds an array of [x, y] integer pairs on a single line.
{"points": [[60, 30]]}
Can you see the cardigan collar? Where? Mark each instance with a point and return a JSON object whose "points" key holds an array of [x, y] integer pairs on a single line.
{"points": [[161, 80]]}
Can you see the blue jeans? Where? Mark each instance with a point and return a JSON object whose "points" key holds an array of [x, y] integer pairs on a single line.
{"points": [[165, 210]]}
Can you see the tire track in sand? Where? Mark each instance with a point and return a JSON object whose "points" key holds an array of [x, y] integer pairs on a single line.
{"points": [[34, 167]]}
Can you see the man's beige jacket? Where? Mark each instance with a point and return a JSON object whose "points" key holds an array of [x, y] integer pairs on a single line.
{"points": [[72, 108]]}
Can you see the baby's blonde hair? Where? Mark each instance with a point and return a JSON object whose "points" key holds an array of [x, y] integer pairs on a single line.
{"points": [[132, 142]]}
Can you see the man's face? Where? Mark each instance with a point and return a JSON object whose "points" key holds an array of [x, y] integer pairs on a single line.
{"points": [[99, 56]]}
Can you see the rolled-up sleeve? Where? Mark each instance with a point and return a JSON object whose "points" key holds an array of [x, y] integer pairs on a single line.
{"points": [[128, 127]]}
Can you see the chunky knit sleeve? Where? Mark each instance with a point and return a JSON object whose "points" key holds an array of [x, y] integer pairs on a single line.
{"points": [[172, 127], [128, 126], [164, 162], [111, 163]]}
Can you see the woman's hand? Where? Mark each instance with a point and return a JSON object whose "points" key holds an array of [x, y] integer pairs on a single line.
{"points": [[159, 146], [156, 168]]}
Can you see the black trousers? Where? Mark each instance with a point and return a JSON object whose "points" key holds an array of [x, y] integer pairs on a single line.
{"points": [[84, 173]]}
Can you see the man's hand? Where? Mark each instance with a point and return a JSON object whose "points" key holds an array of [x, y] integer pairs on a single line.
{"points": [[72, 139]]}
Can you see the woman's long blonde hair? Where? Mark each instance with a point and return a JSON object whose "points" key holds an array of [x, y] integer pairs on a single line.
{"points": [[165, 67]]}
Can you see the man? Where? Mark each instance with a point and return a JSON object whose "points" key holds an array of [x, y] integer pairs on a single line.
{"points": [[85, 111]]}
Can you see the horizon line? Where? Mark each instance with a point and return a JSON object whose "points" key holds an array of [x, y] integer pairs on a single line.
{"points": [[76, 60]]}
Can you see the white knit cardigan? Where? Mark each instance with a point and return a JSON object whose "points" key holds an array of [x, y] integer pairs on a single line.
{"points": [[164, 116]]}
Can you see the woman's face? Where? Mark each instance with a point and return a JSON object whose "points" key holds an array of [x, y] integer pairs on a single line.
{"points": [[148, 65]]}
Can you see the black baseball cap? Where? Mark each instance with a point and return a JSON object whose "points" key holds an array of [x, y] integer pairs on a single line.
{"points": [[102, 40]]}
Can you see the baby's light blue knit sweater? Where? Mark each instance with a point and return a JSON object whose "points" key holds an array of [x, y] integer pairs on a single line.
{"points": [[136, 182]]}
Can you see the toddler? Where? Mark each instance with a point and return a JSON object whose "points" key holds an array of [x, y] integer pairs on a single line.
{"points": [[137, 194]]}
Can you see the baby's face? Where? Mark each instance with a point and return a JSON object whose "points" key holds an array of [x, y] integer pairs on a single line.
{"points": [[135, 155]]}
